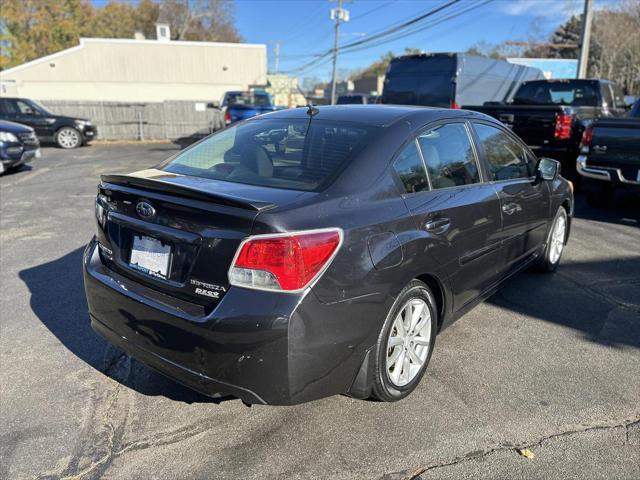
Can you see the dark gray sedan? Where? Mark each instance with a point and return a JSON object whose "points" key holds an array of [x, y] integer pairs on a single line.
{"points": [[318, 251]]}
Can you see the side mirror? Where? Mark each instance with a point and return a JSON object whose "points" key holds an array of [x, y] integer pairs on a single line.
{"points": [[213, 105], [548, 169]]}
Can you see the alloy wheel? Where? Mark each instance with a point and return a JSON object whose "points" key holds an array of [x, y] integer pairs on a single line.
{"points": [[68, 138], [409, 342], [557, 239]]}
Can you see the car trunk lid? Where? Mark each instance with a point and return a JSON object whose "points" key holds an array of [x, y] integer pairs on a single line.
{"points": [[196, 223]]}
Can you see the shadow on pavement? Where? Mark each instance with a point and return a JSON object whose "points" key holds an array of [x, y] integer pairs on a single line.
{"points": [[58, 299], [597, 298], [624, 210]]}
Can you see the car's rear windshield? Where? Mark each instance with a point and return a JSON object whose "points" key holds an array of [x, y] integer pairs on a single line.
{"points": [[575, 93], [249, 99], [298, 154]]}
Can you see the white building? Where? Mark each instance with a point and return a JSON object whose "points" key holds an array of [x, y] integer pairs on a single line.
{"points": [[138, 70]]}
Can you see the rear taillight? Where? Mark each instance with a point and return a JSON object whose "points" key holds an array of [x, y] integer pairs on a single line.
{"points": [[587, 138], [227, 117], [454, 105], [563, 126], [285, 261]]}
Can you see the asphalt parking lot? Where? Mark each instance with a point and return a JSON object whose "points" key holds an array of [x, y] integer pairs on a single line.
{"points": [[550, 363]]}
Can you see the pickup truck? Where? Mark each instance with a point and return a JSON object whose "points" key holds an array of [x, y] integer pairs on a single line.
{"points": [[551, 115], [610, 157], [238, 105]]}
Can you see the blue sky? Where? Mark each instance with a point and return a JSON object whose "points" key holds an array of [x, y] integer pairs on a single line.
{"points": [[304, 27]]}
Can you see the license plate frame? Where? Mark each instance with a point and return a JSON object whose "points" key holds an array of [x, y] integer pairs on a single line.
{"points": [[150, 255]]}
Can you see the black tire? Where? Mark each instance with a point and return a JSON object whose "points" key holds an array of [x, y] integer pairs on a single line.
{"points": [[68, 138], [384, 389], [549, 261]]}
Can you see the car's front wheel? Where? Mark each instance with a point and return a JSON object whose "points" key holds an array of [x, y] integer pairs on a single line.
{"points": [[405, 343], [68, 137], [556, 242]]}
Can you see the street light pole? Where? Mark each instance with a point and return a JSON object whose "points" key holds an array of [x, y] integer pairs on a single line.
{"points": [[585, 36], [337, 14]]}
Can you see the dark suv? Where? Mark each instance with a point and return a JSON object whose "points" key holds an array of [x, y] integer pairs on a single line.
{"points": [[66, 132], [18, 145]]}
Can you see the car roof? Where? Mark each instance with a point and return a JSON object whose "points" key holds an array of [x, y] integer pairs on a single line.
{"points": [[373, 114]]}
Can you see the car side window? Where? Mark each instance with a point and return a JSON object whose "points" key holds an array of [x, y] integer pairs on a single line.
{"points": [[8, 107], [507, 159], [449, 156], [24, 107], [410, 169]]}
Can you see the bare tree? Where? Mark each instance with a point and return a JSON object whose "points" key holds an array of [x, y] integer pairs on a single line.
{"points": [[205, 20]]}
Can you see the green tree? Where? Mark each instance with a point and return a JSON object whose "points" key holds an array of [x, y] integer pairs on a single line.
{"points": [[30, 29], [33, 28]]}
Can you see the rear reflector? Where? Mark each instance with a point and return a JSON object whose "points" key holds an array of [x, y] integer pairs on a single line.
{"points": [[285, 262], [454, 105], [563, 126], [587, 138]]}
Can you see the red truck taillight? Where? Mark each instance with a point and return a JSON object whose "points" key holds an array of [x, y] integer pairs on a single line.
{"points": [[563, 126], [587, 137], [227, 117], [285, 261]]}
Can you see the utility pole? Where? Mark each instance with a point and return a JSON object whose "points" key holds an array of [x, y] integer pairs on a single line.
{"points": [[276, 52], [585, 36], [339, 15]]}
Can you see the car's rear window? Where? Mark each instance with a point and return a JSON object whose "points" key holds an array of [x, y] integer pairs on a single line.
{"points": [[575, 93], [250, 99], [283, 153]]}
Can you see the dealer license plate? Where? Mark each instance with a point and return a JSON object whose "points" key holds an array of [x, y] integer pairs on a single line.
{"points": [[150, 256]]}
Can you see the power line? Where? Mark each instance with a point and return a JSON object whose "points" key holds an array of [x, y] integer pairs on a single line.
{"points": [[320, 59], [424, 27], [374, 9], [377, 36]]}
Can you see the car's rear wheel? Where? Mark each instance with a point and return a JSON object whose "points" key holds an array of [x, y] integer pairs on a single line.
{"points": [[68, 137], [405, 343], [555, 242]]}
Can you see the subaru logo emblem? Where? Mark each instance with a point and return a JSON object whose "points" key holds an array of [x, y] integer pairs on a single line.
{"points": [[145, 209]]}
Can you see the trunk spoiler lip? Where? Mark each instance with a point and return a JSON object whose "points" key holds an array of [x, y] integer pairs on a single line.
{"points": [[162, 186]]}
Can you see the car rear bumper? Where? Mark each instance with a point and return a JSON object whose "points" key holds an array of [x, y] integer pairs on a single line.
{"points": [[605, 174], [263, 347]]}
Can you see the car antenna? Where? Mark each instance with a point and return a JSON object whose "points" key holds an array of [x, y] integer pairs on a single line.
{"points": [[311, 110]]}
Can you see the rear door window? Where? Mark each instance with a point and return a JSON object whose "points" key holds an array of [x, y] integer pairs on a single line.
{"points": [[284, 153], [410, 169], [507, 158], [449, 156]]}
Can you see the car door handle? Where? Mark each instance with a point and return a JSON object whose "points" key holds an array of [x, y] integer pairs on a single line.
{"points": [[510, 208], [437, 225]]}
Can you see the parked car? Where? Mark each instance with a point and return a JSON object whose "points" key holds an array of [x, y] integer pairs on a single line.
{"points": [[353, 99], [18, 145], [551, 115], [610, 157], [452, 79], [242, 105], [66, 132], [286, 275]]}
